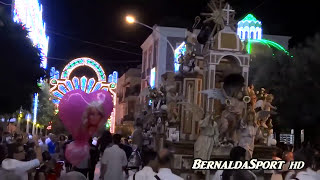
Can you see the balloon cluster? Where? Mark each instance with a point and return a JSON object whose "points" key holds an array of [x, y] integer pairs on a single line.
{"points": [[82, 114]]}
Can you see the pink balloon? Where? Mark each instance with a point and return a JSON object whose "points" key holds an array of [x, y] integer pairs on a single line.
{"points": [[77, 151], [74, 105]]}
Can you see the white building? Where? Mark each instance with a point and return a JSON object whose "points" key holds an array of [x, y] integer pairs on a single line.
{"points": [[158, 56]]}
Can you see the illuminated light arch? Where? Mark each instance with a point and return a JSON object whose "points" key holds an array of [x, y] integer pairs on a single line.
{"points": [[29, 14], [59, 87], [83, 62], [269, 43]]}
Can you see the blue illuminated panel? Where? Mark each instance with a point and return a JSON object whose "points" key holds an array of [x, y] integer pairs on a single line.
{"points": [[57, 94], [97, 87], [90, 85], [76, 83], [115, 77], [62, 88], [69, 85], [110, 78], [83, 83], [55, 101]]}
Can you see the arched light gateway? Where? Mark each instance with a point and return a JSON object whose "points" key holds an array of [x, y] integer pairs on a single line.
{"points": [[60, 86]]}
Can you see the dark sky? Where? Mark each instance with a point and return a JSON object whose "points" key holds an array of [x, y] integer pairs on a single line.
{"points": [[72, 22]]}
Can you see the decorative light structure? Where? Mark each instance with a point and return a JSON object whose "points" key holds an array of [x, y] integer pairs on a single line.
{"points": [[35, 111], [59, 87], [29, 14], [153, 77], [270, 44], [249, 28], [178, 52]]}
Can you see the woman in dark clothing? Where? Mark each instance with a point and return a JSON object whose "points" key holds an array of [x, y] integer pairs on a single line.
{"points": [[67, 164], [104, 141], [94, 158]]}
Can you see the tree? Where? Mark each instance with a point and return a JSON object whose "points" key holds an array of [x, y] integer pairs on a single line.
{"points": [[46, 109], [295, 83], [19, 66]]}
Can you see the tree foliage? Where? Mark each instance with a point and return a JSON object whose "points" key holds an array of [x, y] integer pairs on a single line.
{"points": [[46, 107], [19, 66], [294, 81]]}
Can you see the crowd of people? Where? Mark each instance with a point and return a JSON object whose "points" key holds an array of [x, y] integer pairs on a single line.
{"points": [[23, 157]]}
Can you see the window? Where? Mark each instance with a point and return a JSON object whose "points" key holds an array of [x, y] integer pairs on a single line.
{"points": [[252, 35], [246, 35], [257, 35], [241, 35]]}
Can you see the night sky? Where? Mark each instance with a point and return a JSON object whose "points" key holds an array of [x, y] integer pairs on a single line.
{"points": [[73, 25]]}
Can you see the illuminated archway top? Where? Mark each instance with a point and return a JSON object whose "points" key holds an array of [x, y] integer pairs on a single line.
{"points": [[84, 61]]}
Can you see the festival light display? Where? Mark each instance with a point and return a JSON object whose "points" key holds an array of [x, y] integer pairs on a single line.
{"points": [[59, 87], [249, 28], [270, 44], [35, 110], [153, 77], [29, 14], [180, 51]]}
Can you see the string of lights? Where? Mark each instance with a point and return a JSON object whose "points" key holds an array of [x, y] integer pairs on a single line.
{"points": [[93, 43]]}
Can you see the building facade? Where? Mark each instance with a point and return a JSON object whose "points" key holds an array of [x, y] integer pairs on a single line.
{"points": [[128, 90], [158, 56]]}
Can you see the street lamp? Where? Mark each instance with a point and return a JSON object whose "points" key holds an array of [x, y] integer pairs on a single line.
{"points": [[131, 20]]}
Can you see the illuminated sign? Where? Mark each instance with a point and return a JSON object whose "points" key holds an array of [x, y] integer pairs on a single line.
{"points": [[59, 87], [29, 13]]}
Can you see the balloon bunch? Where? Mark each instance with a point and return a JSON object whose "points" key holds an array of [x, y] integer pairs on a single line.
{"points": [[82, 114]]}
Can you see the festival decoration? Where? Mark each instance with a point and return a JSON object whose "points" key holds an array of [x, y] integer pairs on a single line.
{"points": [[59, 87], [82, 114], [250, 30], [29, 14]]}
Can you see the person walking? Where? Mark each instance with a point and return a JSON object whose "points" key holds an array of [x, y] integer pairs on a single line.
{"points": [[165, 172], [113, 161], [94, 158], [147, 172]]}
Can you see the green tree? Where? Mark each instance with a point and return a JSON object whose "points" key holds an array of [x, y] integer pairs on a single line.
{"points": [[46, 110], [19, 66], [295, 82]]}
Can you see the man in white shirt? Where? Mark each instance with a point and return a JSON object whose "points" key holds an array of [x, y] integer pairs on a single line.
{"points": [[113, 161], [19, 168], [164, 166], [147, 172]]}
